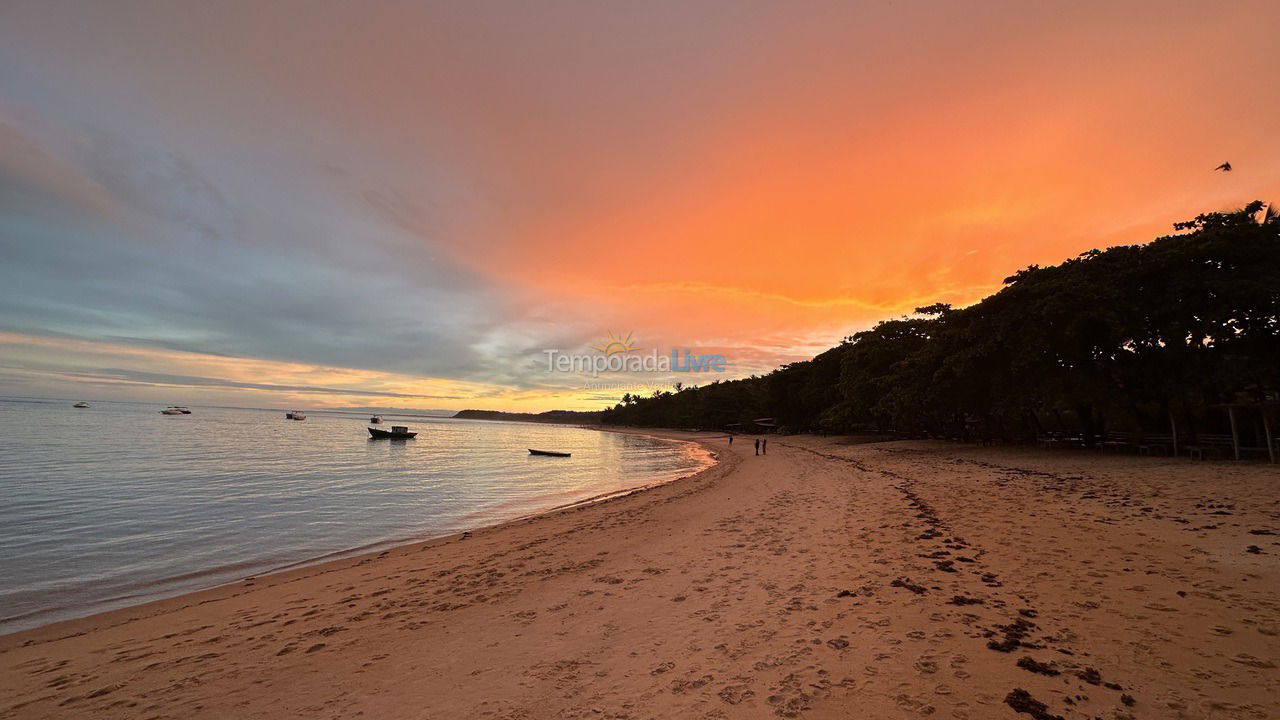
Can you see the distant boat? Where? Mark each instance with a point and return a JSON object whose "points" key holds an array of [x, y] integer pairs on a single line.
{"points": [[174, 411], [397, 432], [376, 419], [296, 415], [81, 405], [181, 410], [551, 453]]}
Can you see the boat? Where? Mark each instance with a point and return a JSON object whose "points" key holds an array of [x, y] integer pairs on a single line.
{"points": [[397, 432], [81, 405], [172, 411], [296, 415], [550, 453], [181, 410], [376, 419]]}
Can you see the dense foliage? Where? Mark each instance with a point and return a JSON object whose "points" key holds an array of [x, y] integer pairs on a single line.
{"points": [[1113, 339]]}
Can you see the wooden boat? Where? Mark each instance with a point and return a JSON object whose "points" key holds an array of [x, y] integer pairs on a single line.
{"points": [[81, 405], [550, 453], [397, 432]]}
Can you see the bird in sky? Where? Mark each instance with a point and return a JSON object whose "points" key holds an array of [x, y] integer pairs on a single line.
{"points": [[1224, 167]]}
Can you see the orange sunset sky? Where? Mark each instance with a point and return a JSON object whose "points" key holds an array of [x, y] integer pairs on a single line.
{"points": [[372, 204]]}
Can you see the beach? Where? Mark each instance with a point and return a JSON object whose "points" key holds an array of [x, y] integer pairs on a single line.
{"points": [[827, 579]]}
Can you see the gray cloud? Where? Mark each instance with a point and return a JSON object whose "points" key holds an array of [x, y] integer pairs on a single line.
{"points": [[241, 273], [160, 185]]}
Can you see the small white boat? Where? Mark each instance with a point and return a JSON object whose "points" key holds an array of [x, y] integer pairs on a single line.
{"points": [[173, 411], [81, 404], [181, 410], [376, 419], [296, 415]]}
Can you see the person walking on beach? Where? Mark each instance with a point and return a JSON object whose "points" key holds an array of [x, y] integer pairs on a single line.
{"points": [[764, 446], [731, 441], [757, 446]]}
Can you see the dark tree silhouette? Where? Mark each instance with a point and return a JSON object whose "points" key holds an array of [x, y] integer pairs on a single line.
{"points": [[1113, 338]]}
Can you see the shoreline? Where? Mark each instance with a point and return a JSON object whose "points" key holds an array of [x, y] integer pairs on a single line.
{"points": [[893, 579], [355, 553]]}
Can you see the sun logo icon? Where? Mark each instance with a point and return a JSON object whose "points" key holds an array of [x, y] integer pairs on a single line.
{"points": [[615, 344]]}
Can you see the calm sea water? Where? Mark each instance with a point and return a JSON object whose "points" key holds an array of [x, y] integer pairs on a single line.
{"points": [[117, 504]]}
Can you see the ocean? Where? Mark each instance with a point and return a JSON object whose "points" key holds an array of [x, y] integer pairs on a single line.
{"points": [[117, 504]]}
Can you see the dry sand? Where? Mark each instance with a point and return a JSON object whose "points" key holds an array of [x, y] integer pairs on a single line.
{"points": [[825, 580]]}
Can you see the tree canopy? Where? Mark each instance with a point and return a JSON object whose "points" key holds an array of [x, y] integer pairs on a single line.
{"points": [[1111, 337]]}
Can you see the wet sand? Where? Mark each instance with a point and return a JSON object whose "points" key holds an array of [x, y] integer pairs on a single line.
{"points": [[824, 580]]}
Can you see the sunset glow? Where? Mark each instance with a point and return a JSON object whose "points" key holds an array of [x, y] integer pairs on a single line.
{"points": [[349, 205]]}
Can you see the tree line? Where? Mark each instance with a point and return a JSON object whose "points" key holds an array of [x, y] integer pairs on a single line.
{"points": [[1117, 339]]}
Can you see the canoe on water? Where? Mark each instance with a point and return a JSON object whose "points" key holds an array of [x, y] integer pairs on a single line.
{"points": [[552, 453]]}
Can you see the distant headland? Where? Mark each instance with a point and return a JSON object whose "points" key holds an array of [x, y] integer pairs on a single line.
{"points": [[551, 416]]}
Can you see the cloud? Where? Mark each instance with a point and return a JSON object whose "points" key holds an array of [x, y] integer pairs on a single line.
{"points": [[31, 175], [160, 185], [254, 272], [439, 192], [125, 376]]}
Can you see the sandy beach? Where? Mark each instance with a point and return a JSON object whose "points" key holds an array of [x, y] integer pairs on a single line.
{"points": [[828, 579]]}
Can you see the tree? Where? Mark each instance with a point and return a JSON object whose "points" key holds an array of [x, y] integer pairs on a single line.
{"points": [[1107, 337]]}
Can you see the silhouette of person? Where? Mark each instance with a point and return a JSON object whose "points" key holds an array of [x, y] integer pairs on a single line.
{"points": [[757, 446], [764, 446], [730, 439]]}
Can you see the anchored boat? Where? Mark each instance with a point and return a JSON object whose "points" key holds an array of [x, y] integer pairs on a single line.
{"points": [[397, 432], [550, 453]]}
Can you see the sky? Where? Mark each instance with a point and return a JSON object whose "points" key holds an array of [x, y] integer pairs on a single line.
{"points": [[394, 204]]}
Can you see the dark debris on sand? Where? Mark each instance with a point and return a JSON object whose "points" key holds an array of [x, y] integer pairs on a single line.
{"points": [[1093, 677], [908, 585], [1031, 665], [1013, 635], [1021, 701]]}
